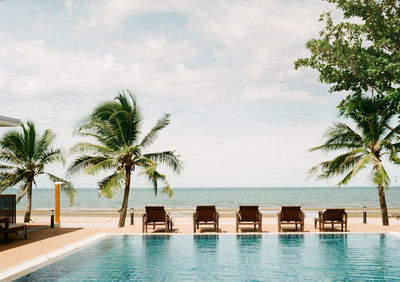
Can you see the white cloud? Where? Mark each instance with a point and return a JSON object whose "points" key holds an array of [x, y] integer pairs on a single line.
{"points": [[224, 57], [280, 93]]}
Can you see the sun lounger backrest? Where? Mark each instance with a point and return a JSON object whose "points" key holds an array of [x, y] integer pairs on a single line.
{"points": [[7, 207], [205, 213], [334, 214], [155, 214], [248, 212], [291, 213]]}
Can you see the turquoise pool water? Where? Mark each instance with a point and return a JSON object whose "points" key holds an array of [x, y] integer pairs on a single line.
{"points": [[230, 258]]}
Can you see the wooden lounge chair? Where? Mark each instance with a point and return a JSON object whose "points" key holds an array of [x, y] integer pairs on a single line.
{"points": [[6, 227], [8, 216], [331, 216], [205, 215], [156, 216], [249, 215], [291, 215]]}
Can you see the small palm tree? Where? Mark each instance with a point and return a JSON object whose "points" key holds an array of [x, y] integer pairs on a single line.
{"points": [[24, 156], [365, 146], [116, 126]]}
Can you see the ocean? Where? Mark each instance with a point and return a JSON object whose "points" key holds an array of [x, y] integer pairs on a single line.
{"points": [[223, 198]]}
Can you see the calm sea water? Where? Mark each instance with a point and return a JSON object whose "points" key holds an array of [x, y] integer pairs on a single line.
{"points": [[311, 257], [230, 198]]}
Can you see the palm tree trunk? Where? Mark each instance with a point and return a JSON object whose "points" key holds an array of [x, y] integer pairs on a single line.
{"points": [[124, 208], [382, 202], [27, 216]]}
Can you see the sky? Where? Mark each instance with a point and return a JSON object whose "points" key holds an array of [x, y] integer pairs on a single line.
{"points": [[241, 115]]}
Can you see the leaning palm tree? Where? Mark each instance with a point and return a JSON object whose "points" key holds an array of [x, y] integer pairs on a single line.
{"points": [[24, 156], [366, 146], [116, 126]]}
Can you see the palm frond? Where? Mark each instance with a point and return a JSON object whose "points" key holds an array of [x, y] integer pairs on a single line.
{"points": [[134, 150], [340, 136], [152, 135], [43, 144], [4, 167], [168, 158], [9, 157], [84, 162], [154, 176], [112, 184], [67, 187], [104, 165], [357, 167], [13, 142], [22, 191], [379, 176], [393, 151], [339, 165], [51, 155], [86, 147], [168, 190], [392, 134], [13, 178]]}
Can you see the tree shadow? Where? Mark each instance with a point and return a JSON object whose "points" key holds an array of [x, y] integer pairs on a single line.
{"points": [[36, 233]]}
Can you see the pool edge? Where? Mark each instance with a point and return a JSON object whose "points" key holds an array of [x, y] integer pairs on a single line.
{"points": [[24, 268]]}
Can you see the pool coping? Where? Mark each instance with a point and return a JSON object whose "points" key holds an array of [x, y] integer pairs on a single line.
{"points": [[22, 269]]}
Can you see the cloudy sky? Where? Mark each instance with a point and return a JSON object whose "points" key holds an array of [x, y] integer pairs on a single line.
{"points": [[241, 114]]}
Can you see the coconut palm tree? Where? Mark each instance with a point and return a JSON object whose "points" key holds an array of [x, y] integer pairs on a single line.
{"points": [[116, 126], [24, 156], [373, 138]]}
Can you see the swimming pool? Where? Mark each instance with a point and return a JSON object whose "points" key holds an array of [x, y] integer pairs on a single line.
{"points": [[230, 257]]}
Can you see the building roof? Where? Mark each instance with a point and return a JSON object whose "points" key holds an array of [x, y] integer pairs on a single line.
{"points": [[7, 121]]}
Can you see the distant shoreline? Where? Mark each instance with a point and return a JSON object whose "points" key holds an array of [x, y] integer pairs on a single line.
{"points": [[231, 187]]}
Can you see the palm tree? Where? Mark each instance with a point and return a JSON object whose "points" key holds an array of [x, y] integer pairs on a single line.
{"points": [[24, 156], [116, 126], [366, 146]]}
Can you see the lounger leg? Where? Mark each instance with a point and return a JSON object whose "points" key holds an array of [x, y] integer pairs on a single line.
{"points": [[25, 233], [194, 227], [237, 227], [332, 226]]}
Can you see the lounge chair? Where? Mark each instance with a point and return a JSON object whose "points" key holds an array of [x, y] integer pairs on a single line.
{"points": [[249, 215], [6, 227], [331, 216], [156, 216], [8, 217], [292, 215], [205, 215]]}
